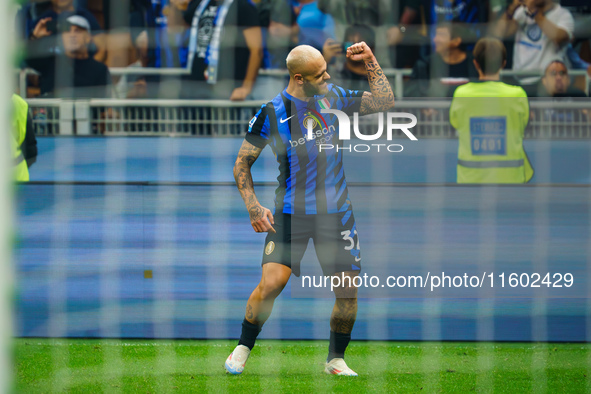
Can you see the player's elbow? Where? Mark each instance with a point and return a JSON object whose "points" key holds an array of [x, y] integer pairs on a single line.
{"points": [[387, 104], [390, 104], [237, 169]]}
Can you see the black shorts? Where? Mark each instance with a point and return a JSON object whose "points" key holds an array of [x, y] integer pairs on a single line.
{"points": [[334, 235]]}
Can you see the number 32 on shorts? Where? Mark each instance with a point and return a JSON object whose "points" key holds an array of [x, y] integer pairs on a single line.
{"points": [[347, 237]]}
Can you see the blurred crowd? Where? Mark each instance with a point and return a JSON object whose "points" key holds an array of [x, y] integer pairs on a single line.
{"points": [[98, 48]]}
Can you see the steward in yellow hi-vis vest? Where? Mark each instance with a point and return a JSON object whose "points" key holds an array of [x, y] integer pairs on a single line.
{"points": [[490, 118], [19, 131]]}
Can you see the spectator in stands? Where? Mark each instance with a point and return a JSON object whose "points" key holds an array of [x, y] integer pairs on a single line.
{"points": [[314, 26], [473, 14], [69, 72], [49, 24], [127, 30], [557, 83], [440, 73], [543, 30], [362, 12], [576, 62], [171, 33], [279, 29], [225, 49], [377, 14], [406, 36], [136, 86], [28, 15], [352, 73], [278, 20], [459, 11]]}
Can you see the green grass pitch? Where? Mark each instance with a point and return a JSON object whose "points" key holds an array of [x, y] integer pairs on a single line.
{"points": [[167, 366]]}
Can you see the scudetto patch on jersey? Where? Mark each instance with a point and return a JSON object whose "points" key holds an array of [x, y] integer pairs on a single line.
{"points": [[269, 248], [324, 103]]}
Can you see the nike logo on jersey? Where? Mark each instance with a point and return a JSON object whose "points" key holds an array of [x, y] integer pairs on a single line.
{"points": [[285, 120]]}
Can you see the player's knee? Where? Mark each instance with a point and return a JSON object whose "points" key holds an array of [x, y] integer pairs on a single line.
{"points": [[271, 288], [346, 287], [346, 293]]}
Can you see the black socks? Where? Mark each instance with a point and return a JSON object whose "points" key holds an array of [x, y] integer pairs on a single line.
{"points": [[249, 334], [336, 348], [337, 345]]}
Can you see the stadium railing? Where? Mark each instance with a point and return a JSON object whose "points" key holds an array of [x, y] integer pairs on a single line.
{"points": [[221, 118], [52, 116], [397, 74]]}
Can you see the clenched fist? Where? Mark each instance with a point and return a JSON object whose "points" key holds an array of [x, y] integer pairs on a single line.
{"points": [[360, 52]]}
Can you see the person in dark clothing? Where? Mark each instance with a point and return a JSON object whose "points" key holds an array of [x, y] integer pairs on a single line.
{"points": [[473, 14], [557, 83], [29, 145], [278, 23], [450, 65], [49, 23], [27, 17], [225, 48], [406, 35], [353, 73], [68, 70]]}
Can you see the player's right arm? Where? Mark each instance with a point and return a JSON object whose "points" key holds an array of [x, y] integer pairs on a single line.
{"points": [[261, 218]]}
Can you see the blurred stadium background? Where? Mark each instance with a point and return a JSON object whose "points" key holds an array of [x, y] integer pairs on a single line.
{"points": [[131, 226]]}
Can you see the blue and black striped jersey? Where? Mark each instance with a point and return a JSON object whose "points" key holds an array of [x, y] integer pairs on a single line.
{"points": [[311, 180]]}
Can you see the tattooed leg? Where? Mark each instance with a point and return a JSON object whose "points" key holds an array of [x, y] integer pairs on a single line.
{"points": [[344, 311], [260, 303]]}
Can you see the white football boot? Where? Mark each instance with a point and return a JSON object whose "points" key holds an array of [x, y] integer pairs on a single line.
{"points": [[338, 366], [236, 360]]}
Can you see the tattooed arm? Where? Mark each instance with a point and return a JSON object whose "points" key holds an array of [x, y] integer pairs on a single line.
{"points": [[261, 218], [381, 97]]}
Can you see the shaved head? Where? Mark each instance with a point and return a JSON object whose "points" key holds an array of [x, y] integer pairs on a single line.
{"points": [[307, 72], [301, 58]]}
